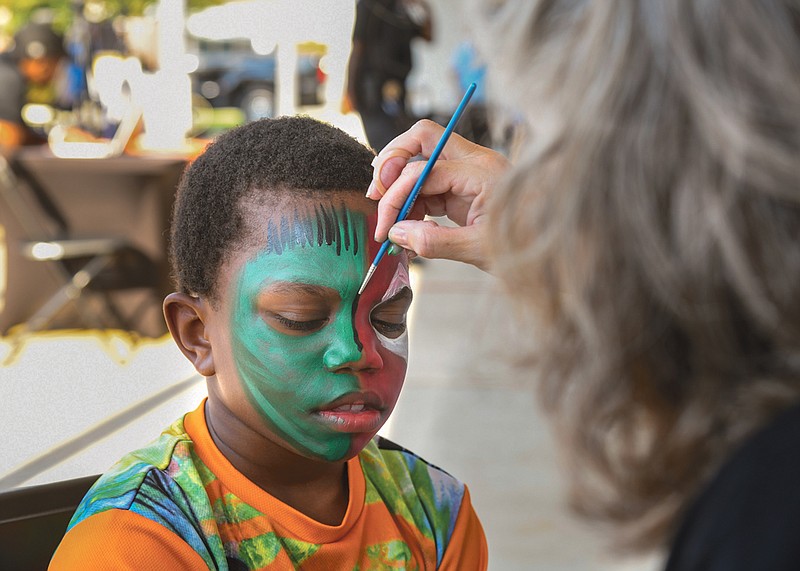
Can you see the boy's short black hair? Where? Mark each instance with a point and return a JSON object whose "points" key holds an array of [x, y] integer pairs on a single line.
{"points": [[296, 156]]}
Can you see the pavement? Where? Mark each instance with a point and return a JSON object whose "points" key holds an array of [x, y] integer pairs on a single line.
{"points": [[466, 408], [71, 405]]}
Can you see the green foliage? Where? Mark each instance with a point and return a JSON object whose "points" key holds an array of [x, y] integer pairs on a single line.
{"points": [[63, 10]]}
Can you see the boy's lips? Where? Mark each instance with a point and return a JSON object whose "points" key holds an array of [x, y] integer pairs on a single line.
{"points": [[368, 399], [355, 412]]}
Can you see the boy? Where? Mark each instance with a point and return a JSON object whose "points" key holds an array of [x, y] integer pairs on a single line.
{"points": [[278, 468]]}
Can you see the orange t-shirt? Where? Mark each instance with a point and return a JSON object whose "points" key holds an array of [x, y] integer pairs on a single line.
{"points": [[180, 504]]}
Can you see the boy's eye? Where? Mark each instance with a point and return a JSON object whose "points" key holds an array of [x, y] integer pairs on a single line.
{"points": [[294, 326], [389, 329], [389, 317], [297, 309]]}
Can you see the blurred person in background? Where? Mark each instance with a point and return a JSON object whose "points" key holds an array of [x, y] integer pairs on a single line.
{"points": [[469, 67], [647, 234], [32, 72], [380, 62]]}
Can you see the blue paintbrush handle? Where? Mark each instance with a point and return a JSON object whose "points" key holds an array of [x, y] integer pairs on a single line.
{"points": [[412, 197]]}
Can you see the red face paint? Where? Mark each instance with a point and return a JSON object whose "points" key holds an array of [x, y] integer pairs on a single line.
{"points": [[386, 285]]}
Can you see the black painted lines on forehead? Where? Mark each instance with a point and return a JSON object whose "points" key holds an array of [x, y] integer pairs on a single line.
{"points": [[315, 225]]}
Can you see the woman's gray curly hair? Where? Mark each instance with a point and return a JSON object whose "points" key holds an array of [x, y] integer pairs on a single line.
{"points": [[652, 229]]}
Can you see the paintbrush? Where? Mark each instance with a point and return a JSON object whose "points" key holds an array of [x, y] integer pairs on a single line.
{"points": [[412, 197]]}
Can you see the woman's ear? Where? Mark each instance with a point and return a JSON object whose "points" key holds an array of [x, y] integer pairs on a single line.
{"points": [[186, 320]]}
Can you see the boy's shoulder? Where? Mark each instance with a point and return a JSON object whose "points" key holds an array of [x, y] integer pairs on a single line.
{"points": [[145, 473], [385, 461], [388, 449], [412, 487]]}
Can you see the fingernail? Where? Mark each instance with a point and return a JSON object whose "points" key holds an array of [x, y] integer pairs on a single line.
{"points": [[394, 249], [390, 169], [371, 190], [398, 236]]}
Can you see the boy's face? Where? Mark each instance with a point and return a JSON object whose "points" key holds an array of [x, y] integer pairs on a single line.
{"points": [[320, 367]]}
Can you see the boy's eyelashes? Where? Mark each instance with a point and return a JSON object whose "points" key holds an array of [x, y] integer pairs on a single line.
{"points": [[389, 329], [297, 309], [294, 317], [392, 327], [294, 326], [389, 317]]}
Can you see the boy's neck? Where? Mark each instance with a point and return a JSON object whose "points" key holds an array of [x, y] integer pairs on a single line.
{"points": [[316, 488]]}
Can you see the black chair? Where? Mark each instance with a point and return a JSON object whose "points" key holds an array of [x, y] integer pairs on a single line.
{"points": [[93, 267], [34, 519]]}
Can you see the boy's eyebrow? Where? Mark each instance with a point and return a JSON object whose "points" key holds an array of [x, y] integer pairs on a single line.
{"points": [[295, 287]]}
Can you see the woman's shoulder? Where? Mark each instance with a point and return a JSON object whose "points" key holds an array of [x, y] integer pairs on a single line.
{"points": [[748, 516]]}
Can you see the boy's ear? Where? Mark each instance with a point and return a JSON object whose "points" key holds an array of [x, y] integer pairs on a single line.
{"points": [[185, 316]]}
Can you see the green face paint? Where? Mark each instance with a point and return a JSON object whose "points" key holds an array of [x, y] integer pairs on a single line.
{"points": [[294, 339]]}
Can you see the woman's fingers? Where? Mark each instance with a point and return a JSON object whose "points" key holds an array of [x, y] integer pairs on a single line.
{"points": [[439, 182], [457, 187], [386, 170], [420, 140], [429, 240]]}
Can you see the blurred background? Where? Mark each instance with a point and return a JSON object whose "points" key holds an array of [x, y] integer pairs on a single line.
{"points": [[215, 64], [114, 99]]}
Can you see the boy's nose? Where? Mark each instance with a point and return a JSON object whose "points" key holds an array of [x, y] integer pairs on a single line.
{"points": [[349, 350]]}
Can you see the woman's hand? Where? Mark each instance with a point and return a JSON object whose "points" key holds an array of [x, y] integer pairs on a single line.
{"points": [[458, 187]]}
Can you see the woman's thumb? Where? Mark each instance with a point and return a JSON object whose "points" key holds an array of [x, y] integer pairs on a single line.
{"points": [[428, 239]]}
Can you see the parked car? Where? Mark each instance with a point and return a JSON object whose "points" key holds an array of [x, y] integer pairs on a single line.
{"points": [[231, 74]]}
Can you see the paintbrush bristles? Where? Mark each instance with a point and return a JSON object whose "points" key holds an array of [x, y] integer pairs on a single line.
{"points": [[366, 279]]}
